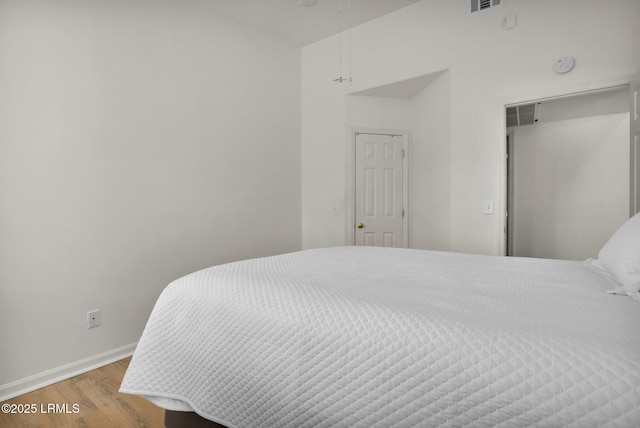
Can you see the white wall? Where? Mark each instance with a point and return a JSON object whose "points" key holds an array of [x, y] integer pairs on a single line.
{"points": [[571, 185], [488, 67], [382, 113], [430, 167], [139, 141]]}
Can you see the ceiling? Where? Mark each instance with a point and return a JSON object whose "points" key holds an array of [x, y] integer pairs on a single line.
{"points": [[405, 89], [301, 25]]}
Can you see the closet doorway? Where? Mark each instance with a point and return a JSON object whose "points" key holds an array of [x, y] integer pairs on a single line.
{"points": [[568, 173]]}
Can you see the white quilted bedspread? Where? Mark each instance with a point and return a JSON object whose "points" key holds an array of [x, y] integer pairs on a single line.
{"points": [[372, 337]]}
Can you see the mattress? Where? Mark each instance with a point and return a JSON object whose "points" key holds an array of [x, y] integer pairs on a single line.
{"points": [[377, 337]]}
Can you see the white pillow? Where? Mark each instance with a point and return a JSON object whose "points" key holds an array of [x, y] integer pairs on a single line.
{"points": [[621, 254]]}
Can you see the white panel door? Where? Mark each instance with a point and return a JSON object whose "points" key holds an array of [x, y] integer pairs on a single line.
{"points": [[378, 190], [634, 119]]}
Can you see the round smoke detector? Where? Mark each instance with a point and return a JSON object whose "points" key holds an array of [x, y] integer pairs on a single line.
{"points": [[563, 64]]}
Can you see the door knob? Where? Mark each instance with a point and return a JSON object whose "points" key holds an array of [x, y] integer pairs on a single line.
{"points": [[359, 225]]}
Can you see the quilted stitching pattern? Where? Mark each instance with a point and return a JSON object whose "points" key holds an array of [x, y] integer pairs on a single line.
{"points": [[369, 337]]}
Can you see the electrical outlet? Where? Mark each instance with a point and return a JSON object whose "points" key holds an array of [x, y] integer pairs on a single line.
{"points": [[93, 318]]}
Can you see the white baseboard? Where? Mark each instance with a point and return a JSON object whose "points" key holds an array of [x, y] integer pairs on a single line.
{"points": [[49, 377]]}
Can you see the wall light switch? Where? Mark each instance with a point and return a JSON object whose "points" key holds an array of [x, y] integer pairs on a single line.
{"points": [[487, 207], [334, 208]]}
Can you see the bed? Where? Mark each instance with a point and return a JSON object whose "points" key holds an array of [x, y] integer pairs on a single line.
{"points": [[378, 337]]}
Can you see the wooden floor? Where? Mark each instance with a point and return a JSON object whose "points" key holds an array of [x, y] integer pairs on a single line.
{"points": [[88, 400]]}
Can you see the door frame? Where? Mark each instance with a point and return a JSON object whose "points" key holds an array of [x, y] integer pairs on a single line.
{"points": [[350, 202], [510, 194], [505, 220], [634, 134]]}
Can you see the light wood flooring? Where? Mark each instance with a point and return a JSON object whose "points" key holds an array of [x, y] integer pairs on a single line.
{"points": [[99, 404]]}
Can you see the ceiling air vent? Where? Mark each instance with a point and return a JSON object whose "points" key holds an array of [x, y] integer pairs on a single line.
{"points": [[479, 5], [523, 115]]}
